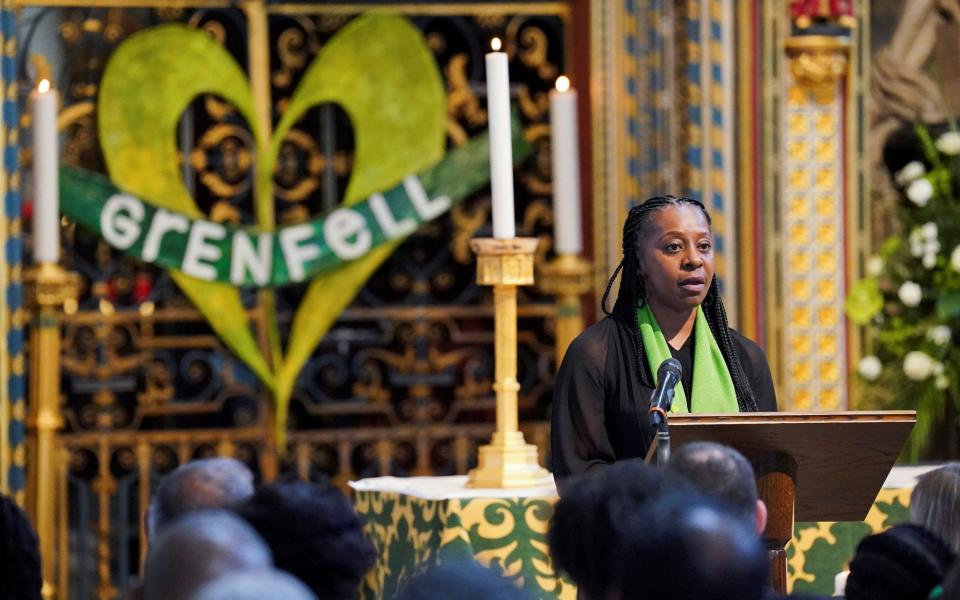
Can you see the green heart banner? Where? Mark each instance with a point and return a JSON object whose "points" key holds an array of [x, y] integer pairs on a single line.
{"points": [[249, 256], [378, 68]]}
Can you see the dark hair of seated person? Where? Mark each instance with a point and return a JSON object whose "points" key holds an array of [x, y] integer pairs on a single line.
{"points": [[588, 518], [905, 562], [314, 534], [463, 580], [685, 547], [20, 576]]}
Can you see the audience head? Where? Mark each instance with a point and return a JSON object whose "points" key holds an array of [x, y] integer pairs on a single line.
{"points": [[684, 547], [460, 581], [598, 502], [263, 585], [208, 483], [197, 549], [722, 473], [935, 503], [904, 563], [950, 588], [314, 534], [19, 554]]}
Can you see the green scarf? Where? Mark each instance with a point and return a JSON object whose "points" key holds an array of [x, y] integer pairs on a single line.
{"points": [[712, 384]]}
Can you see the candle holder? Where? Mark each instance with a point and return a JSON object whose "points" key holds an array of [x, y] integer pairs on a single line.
{"points": [[47, 286], [567, 277], [507, 461]]}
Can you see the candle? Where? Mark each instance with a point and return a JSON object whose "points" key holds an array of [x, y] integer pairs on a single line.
{"points": [[46, 158], [567, 237], [501, 151]]}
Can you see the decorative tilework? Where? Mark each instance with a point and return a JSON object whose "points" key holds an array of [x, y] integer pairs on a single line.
{"points": [[12, 372], [660, 150], [813, 251], [709, 159]]}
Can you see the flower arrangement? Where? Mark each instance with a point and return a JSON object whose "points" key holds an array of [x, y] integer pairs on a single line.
{"points": [[910, 298]]}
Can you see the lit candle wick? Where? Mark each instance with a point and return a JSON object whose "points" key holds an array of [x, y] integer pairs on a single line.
{"points": [[496, 44], [44, 86], [563, 83]]}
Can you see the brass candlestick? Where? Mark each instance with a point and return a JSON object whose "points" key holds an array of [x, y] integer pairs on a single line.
{"points": [[567, 277], [47, 287], [507, 461]]}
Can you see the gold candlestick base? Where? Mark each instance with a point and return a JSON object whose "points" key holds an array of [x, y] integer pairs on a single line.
{"points": [[507, 461], [568, 277], [47, 286]]}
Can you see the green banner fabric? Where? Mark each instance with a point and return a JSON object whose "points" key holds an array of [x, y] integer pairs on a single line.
{"points": [[245, 256], [508, 535]]}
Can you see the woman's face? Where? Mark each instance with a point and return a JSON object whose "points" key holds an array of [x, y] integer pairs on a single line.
{"points": [[676, 257]]}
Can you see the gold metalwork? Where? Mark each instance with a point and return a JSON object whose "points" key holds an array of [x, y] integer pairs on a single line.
{"points": [[47, 287], [568, 277], [508, 461], [818, 62]]}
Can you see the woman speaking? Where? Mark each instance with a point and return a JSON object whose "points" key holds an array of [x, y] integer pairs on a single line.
{"points": [[668, 306]]}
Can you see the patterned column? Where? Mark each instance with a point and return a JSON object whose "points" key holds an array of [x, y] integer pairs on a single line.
{"points": [[708, 168], [665, 120], [813, 216], [12, 376]]}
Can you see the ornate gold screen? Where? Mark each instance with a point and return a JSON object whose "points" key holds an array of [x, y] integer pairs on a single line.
{"points": [[400, 385]]}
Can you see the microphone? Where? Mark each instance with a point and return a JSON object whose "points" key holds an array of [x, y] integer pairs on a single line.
{"points": [[662, 398]]}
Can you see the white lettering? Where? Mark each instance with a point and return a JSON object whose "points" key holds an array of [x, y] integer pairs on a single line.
{"points": [[121, 230], [163, 222], [296, 254], [390, 227], [342, 225], [199, 250], [245, 258], [428, 209]]}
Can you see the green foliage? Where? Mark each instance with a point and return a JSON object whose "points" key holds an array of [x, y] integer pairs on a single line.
{"points": [[910, 300]]}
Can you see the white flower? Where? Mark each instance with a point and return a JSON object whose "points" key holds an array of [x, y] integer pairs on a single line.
{"points": [[917, 365], [942, 382], [931, 246], [955, 259], [936, 368], [874, 266], [916, 242], [910, 293], [929, 260], [912, 170], [939, 334], [949, 143], [869, 367], [929, 231], [920, 191]]}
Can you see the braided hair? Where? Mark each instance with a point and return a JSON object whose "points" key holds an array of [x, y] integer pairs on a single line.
{"points": [[633, 293], [19, 554]]}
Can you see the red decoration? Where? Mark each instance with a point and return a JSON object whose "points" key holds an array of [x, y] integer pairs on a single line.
{"points": [[805, 12], [142, 286]]}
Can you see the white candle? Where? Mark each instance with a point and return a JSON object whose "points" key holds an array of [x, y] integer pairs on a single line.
{"points": [[46, 180], [501, 150], [567, 237]]}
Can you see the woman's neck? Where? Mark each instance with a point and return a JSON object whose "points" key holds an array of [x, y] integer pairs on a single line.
{"points": [[676, 325]]}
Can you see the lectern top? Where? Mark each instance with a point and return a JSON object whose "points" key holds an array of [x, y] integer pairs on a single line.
{"points": [[842, 458]]}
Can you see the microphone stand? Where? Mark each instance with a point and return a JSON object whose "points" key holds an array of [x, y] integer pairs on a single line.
{"points": [[661, 442]]}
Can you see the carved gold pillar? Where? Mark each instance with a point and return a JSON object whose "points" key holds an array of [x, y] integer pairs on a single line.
{"points": [[814, 194], [48, 286], [507, 461]]}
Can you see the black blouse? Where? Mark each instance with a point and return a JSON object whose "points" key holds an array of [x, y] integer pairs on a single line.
{"points": [[601, 397]]}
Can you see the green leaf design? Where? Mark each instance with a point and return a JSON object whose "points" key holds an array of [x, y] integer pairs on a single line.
{"points": [[148, 83], [394, 96]]}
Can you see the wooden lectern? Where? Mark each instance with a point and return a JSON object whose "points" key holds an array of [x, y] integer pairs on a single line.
{"points": [[809, 466]]}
